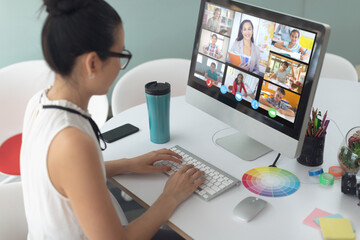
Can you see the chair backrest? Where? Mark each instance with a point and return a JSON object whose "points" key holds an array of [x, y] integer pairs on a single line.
{"points": [[335, 66], [13, 223], [130, 89], [19, 82]]}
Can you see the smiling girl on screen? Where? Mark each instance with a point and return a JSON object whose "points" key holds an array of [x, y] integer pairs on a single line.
{"points": [[293, 45], [244, 45]]}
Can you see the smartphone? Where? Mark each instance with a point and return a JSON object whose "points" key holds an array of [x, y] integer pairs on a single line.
{"points": [[119, 132]]}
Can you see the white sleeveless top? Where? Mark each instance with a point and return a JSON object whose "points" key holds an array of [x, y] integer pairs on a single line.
{"points": [[49, 214]]}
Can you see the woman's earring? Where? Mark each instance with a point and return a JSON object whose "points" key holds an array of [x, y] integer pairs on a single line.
{"points": [[92, 76]]}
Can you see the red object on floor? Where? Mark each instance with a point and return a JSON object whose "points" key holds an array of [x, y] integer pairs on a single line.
{"points": [[10, 155]]}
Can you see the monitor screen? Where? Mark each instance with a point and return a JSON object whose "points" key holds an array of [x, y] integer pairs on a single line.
{"points": [[261, 66]]}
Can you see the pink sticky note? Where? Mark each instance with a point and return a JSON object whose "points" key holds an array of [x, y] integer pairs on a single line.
{"points": [[316, 213]]}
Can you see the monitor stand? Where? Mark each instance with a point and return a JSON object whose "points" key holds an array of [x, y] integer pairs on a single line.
{"points": [[243, 146]]}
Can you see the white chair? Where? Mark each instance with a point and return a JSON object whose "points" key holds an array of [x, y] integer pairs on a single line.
{"points": [[335, 66], [18, 83], [13, 223], [130, 89]]}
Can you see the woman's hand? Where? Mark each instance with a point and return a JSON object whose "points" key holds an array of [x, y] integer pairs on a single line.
{"points": [[245, 66], [183, 183], [145, 163]]}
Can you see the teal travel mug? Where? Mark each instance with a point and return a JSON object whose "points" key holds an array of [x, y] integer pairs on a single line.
{"points": [[158, 104]]}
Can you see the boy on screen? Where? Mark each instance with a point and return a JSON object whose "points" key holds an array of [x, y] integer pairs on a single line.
{"points": [[275, 102], [212, 49]]}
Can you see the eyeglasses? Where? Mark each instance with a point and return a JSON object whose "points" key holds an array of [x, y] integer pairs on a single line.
{"points": [[125, 56]]}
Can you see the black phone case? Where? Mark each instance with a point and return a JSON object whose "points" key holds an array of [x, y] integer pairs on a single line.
{"points": [[119, 132]]}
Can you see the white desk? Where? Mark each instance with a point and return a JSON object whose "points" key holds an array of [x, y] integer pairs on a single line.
{"points": [[282, 218]]}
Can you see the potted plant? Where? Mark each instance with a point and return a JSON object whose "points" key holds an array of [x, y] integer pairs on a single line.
{"points": [[349, 152]]}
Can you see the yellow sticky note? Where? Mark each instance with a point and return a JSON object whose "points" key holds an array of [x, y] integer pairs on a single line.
{"points": [[337, 228]]}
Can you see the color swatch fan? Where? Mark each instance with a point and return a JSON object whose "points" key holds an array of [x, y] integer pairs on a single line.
{"points": [[270, 181]]}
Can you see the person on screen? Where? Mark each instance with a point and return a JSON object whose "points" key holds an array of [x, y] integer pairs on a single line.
{"points": [[282, 73], [238, 84], [212, 49], [276, 103], [211, 73], [213, 24], [293, 45], [62, 167], [284, 31], [244, 45]]}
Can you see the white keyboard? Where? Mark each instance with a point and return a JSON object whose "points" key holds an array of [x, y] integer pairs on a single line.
{"points": [[217, 181]]}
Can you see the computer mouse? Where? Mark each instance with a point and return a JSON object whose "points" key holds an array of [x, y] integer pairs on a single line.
{"points": [[248, 208]]}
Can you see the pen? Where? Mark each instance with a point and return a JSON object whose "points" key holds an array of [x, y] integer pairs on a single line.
{"points": [[324, 118], [304, 52], [325, 127]]}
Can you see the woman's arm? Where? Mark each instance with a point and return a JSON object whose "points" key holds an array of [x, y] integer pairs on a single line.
{"points": [[77, 174], [142, 164]]}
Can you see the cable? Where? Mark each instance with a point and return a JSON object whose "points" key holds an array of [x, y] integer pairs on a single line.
{"points": [[213, 136], [337, 126], [276, 159]]}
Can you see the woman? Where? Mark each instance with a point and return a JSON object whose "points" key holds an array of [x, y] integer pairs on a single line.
{"points": [[293, 45], [63, 173], [244, 45], [239, 84]]}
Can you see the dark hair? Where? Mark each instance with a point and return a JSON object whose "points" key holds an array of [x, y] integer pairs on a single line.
{"points": [[214, 35], [240, 36], [213, 64], [281, 90], [295, 30], [75, 27], [236, 79], [286, 64]]}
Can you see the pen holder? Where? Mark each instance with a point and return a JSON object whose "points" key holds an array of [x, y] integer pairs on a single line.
{"points": [[312, 151]]}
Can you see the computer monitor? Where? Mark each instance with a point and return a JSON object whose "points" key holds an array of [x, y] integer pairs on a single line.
{"points": [[256, 70]]}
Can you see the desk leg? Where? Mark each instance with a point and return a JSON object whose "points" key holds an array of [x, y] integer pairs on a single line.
{"points": [[143, 204]]}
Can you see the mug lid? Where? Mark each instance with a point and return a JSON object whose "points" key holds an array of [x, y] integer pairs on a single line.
{"points": [[155, 88]]}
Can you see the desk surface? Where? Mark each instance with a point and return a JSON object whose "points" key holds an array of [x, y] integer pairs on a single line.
{"points": [[282, 218]]}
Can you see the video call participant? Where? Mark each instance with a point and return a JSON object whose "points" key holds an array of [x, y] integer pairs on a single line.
{"points": [[213, 24], [244, 44], [211, 73], [62, 168], [276, 103], [282, 73], [212, 49], [238, 84], [293, 45]]}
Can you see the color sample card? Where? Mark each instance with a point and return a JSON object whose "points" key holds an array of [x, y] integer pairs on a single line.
{"points": [[270, 181], [330, 216]]}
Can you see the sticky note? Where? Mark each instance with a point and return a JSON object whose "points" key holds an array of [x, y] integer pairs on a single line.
{"points": [[337, 228], [316, 213]]}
